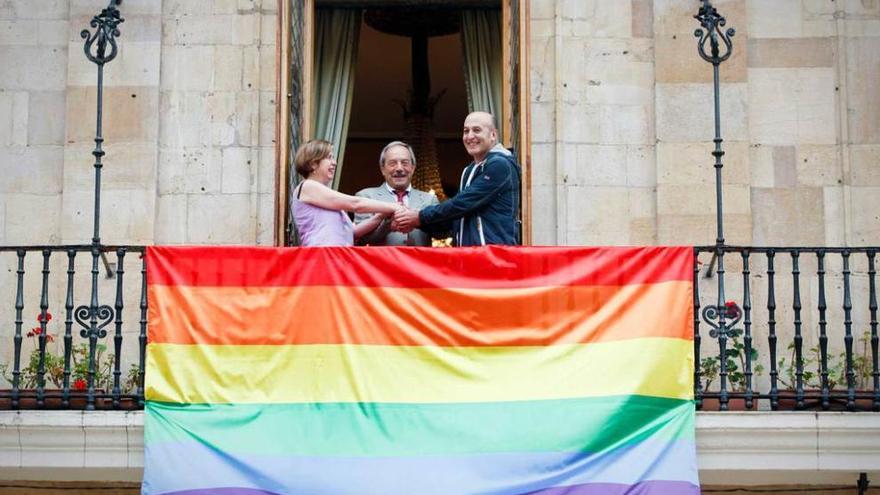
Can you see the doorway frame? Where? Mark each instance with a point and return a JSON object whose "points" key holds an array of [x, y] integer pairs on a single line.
{"points": [[283, 96]]}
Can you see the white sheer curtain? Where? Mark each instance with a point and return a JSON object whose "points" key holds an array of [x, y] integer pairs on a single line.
{"points": [[481, 45], [336, 42]]}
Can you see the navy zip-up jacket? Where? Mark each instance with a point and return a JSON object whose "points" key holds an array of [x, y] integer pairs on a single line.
{"points": [[484, 211]]}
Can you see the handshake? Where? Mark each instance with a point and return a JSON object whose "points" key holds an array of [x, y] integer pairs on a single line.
{"points": [[404, 220]]}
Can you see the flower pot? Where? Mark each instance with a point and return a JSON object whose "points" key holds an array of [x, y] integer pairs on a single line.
{"points": [[733, 404]]}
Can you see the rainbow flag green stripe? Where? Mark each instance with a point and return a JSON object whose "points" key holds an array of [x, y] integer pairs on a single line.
{"points": [[396, 371], [410, 429]]}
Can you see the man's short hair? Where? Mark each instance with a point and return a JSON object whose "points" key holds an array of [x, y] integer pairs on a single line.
{"points": [[492, 120], [412, 155], [310, 153]]}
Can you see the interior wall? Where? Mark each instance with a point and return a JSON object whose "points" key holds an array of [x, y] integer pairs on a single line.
{"points": [[383, 75]]}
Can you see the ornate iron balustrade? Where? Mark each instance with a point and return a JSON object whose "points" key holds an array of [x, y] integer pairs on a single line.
{"points": [[83, 374], [800, 329], [828, 329]]}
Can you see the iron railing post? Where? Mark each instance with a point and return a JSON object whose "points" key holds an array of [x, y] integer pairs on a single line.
{"points": [[100, 48], [710, 34]]}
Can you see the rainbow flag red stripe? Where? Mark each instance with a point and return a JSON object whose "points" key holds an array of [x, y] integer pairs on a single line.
{"points": [[408, 370]]}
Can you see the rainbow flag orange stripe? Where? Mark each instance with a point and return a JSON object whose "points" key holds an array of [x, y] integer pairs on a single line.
{"points": [[408, 370]]}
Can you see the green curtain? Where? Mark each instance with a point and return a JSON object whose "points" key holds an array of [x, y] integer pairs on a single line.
{"points": [[481, 46], [336, 44]]}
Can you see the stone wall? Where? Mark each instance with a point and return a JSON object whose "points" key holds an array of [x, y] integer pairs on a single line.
{"points": [[622, 123]]}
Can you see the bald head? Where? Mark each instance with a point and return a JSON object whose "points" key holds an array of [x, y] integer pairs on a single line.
{"points": [[479, 134]]}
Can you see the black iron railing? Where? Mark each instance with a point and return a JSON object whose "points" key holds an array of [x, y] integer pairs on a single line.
{"points": [[800, 331], [68, 364]]}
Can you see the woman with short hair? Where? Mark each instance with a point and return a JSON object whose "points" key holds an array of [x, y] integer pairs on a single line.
{"points": [[319, 211]]}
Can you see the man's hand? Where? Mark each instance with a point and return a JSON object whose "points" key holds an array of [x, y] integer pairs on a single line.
{"points": [[405, 220]]}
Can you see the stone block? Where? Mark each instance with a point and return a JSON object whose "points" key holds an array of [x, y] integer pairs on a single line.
{"points": [[643, 203], [46, 117], [221, 219], [19, 32], [542, 70], [543, 122], [776, 19], [626, 124], [266, 170], [225, 6], [819, 165], [865, 221], [785, 166], [247, 118], [268, 29], [641, 166], [792, 217], [678, 62], [580, 123], [25, 9], [33, 68], [23, 226], [864, 164], [14, 118], [233, 29], [544, 215], [136, 65], [694, 201], [693, 164], [835, 212], [642, 13], [596, 165], [544, 164], [791, 52], [643, 231], [863, 79], [238, 170], [265, 219], [31, 170], [596, 19], [684, 112], [791, 106], [187, 67], [127, 216], [542, 9], [228, 64], [131, 114], [259, 68], [129, 8], [266, 117], [172, 8], [171, 217], [182, 118], [126, 166], [677, 17], [596, 214], [189, 170], [862, 8], [762, 167], [700, 229]]}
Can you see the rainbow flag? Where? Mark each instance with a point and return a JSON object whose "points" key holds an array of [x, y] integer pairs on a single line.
{"points": [[420, 371]]}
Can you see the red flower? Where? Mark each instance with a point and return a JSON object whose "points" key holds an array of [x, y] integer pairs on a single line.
{"points": [[48, 317], [35, 332], [730, 304], [79, 384]]}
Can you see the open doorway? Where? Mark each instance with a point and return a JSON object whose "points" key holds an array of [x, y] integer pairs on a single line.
{"points": [[382, 93]]}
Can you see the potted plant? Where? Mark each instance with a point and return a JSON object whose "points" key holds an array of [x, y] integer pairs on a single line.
{"points": [[811, 369], [736, 356]]}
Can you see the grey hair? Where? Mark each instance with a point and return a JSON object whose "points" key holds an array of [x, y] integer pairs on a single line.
{"points": [[412, 155]]}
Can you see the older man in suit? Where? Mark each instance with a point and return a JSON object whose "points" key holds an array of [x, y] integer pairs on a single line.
{"points": [[397, 162]]}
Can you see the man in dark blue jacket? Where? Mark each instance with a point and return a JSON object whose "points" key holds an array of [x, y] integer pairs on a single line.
{"points": [[485, 210]]}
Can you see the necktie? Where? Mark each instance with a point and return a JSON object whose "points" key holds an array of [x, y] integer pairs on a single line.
{"points": [[400, 195]]}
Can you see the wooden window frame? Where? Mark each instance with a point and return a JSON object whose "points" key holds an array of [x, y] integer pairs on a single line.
{"points": [[283, 95]]}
